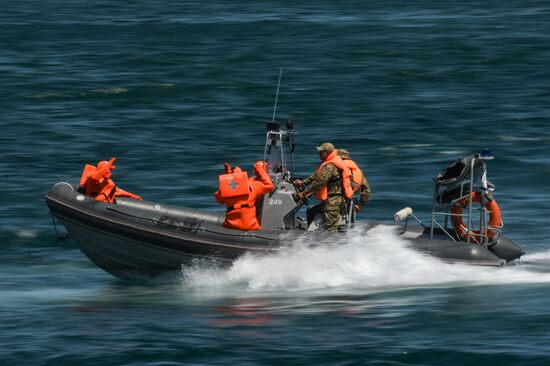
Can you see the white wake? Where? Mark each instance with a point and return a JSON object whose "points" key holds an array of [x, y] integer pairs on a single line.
{"points": [[377, 261]]}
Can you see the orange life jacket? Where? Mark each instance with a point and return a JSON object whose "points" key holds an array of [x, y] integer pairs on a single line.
{"points": [[97, 184], [356, 174], [234, 184], [107, 191], [345, 174], [122, 193], [86, 174], [101, 191], [241, 210]]}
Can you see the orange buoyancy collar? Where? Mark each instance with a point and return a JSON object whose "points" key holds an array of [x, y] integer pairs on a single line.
{"points": [[345, 173], [356, 174]]}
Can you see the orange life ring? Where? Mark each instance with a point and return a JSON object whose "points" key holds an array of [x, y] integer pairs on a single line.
{"points": [[461, 230]]}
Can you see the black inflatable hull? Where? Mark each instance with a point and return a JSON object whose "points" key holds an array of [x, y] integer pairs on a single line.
{"points": [[133, 239], [444, 247], [137, 238]]}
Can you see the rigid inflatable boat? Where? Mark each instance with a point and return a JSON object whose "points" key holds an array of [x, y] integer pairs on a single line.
{"points": [[466, 224], [133, 239]]}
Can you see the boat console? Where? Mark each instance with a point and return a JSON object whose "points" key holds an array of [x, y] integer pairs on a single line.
{"points": [[278, 208]]}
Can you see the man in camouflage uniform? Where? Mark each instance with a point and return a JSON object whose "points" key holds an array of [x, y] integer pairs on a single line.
{"points": [[328, 175], [364, 187]]}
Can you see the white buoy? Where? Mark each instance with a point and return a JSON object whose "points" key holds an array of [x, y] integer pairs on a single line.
{"points": [[402, 214]]}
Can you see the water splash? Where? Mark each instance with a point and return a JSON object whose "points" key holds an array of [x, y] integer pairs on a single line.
{"points": [[379, 261], [540, 257]]}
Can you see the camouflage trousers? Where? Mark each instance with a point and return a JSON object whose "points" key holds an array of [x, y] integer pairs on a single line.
{"points": [[332, 209]]}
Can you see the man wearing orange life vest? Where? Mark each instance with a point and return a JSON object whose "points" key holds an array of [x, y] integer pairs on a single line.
{"points": [[241, 210], [332, 185], [96, 182], [359, 182]]}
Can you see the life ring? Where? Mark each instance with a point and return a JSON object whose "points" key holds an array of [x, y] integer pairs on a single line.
{"points": [[495, 221]]}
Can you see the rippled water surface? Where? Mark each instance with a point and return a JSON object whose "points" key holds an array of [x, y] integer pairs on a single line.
{"points": [[175, 89]]}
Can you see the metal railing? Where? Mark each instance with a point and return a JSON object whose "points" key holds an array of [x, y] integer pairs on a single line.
{"points": [[465, 189]]}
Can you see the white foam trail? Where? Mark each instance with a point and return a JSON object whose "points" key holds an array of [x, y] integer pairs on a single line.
{"points": [[377, 261], [537, 257], [451, 152], [418, 145], [26, 234], [111, 91], [519, 138]]}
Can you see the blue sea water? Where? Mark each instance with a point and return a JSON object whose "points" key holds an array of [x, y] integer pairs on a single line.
{"points": [[174, 89]]}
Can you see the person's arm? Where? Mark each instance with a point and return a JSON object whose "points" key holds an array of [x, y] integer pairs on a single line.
{"points": [[265, 184], [309, 179], [365, 194], [320, 179]]}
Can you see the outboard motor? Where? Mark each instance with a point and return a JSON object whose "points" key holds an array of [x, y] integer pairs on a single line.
{"points": [[278, 208]]}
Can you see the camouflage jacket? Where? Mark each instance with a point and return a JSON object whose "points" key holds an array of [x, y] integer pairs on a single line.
{"points": [[365, 193], [329, 175]]}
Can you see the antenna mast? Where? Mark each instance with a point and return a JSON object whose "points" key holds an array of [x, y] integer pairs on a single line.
{"points": [[277, 95]]}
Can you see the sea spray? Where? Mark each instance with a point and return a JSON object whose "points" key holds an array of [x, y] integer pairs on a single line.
{"points": [[356, 260], [375, 261]]}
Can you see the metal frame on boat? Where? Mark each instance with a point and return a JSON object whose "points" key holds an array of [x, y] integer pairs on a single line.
{"points": [[456, 188], [446, 196]]}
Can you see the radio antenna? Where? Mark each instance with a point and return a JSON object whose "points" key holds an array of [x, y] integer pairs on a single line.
{"points": [[277, 95]]}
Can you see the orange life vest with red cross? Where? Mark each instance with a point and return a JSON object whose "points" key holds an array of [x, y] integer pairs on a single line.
{"points": [[234, 184], [345, 174]]}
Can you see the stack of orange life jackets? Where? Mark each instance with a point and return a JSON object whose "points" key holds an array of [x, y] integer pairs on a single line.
{"points": [[96, 183]]}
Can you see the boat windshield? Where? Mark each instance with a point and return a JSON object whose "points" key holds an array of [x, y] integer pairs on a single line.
{"points": [[275, 161], [278, 152]]}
